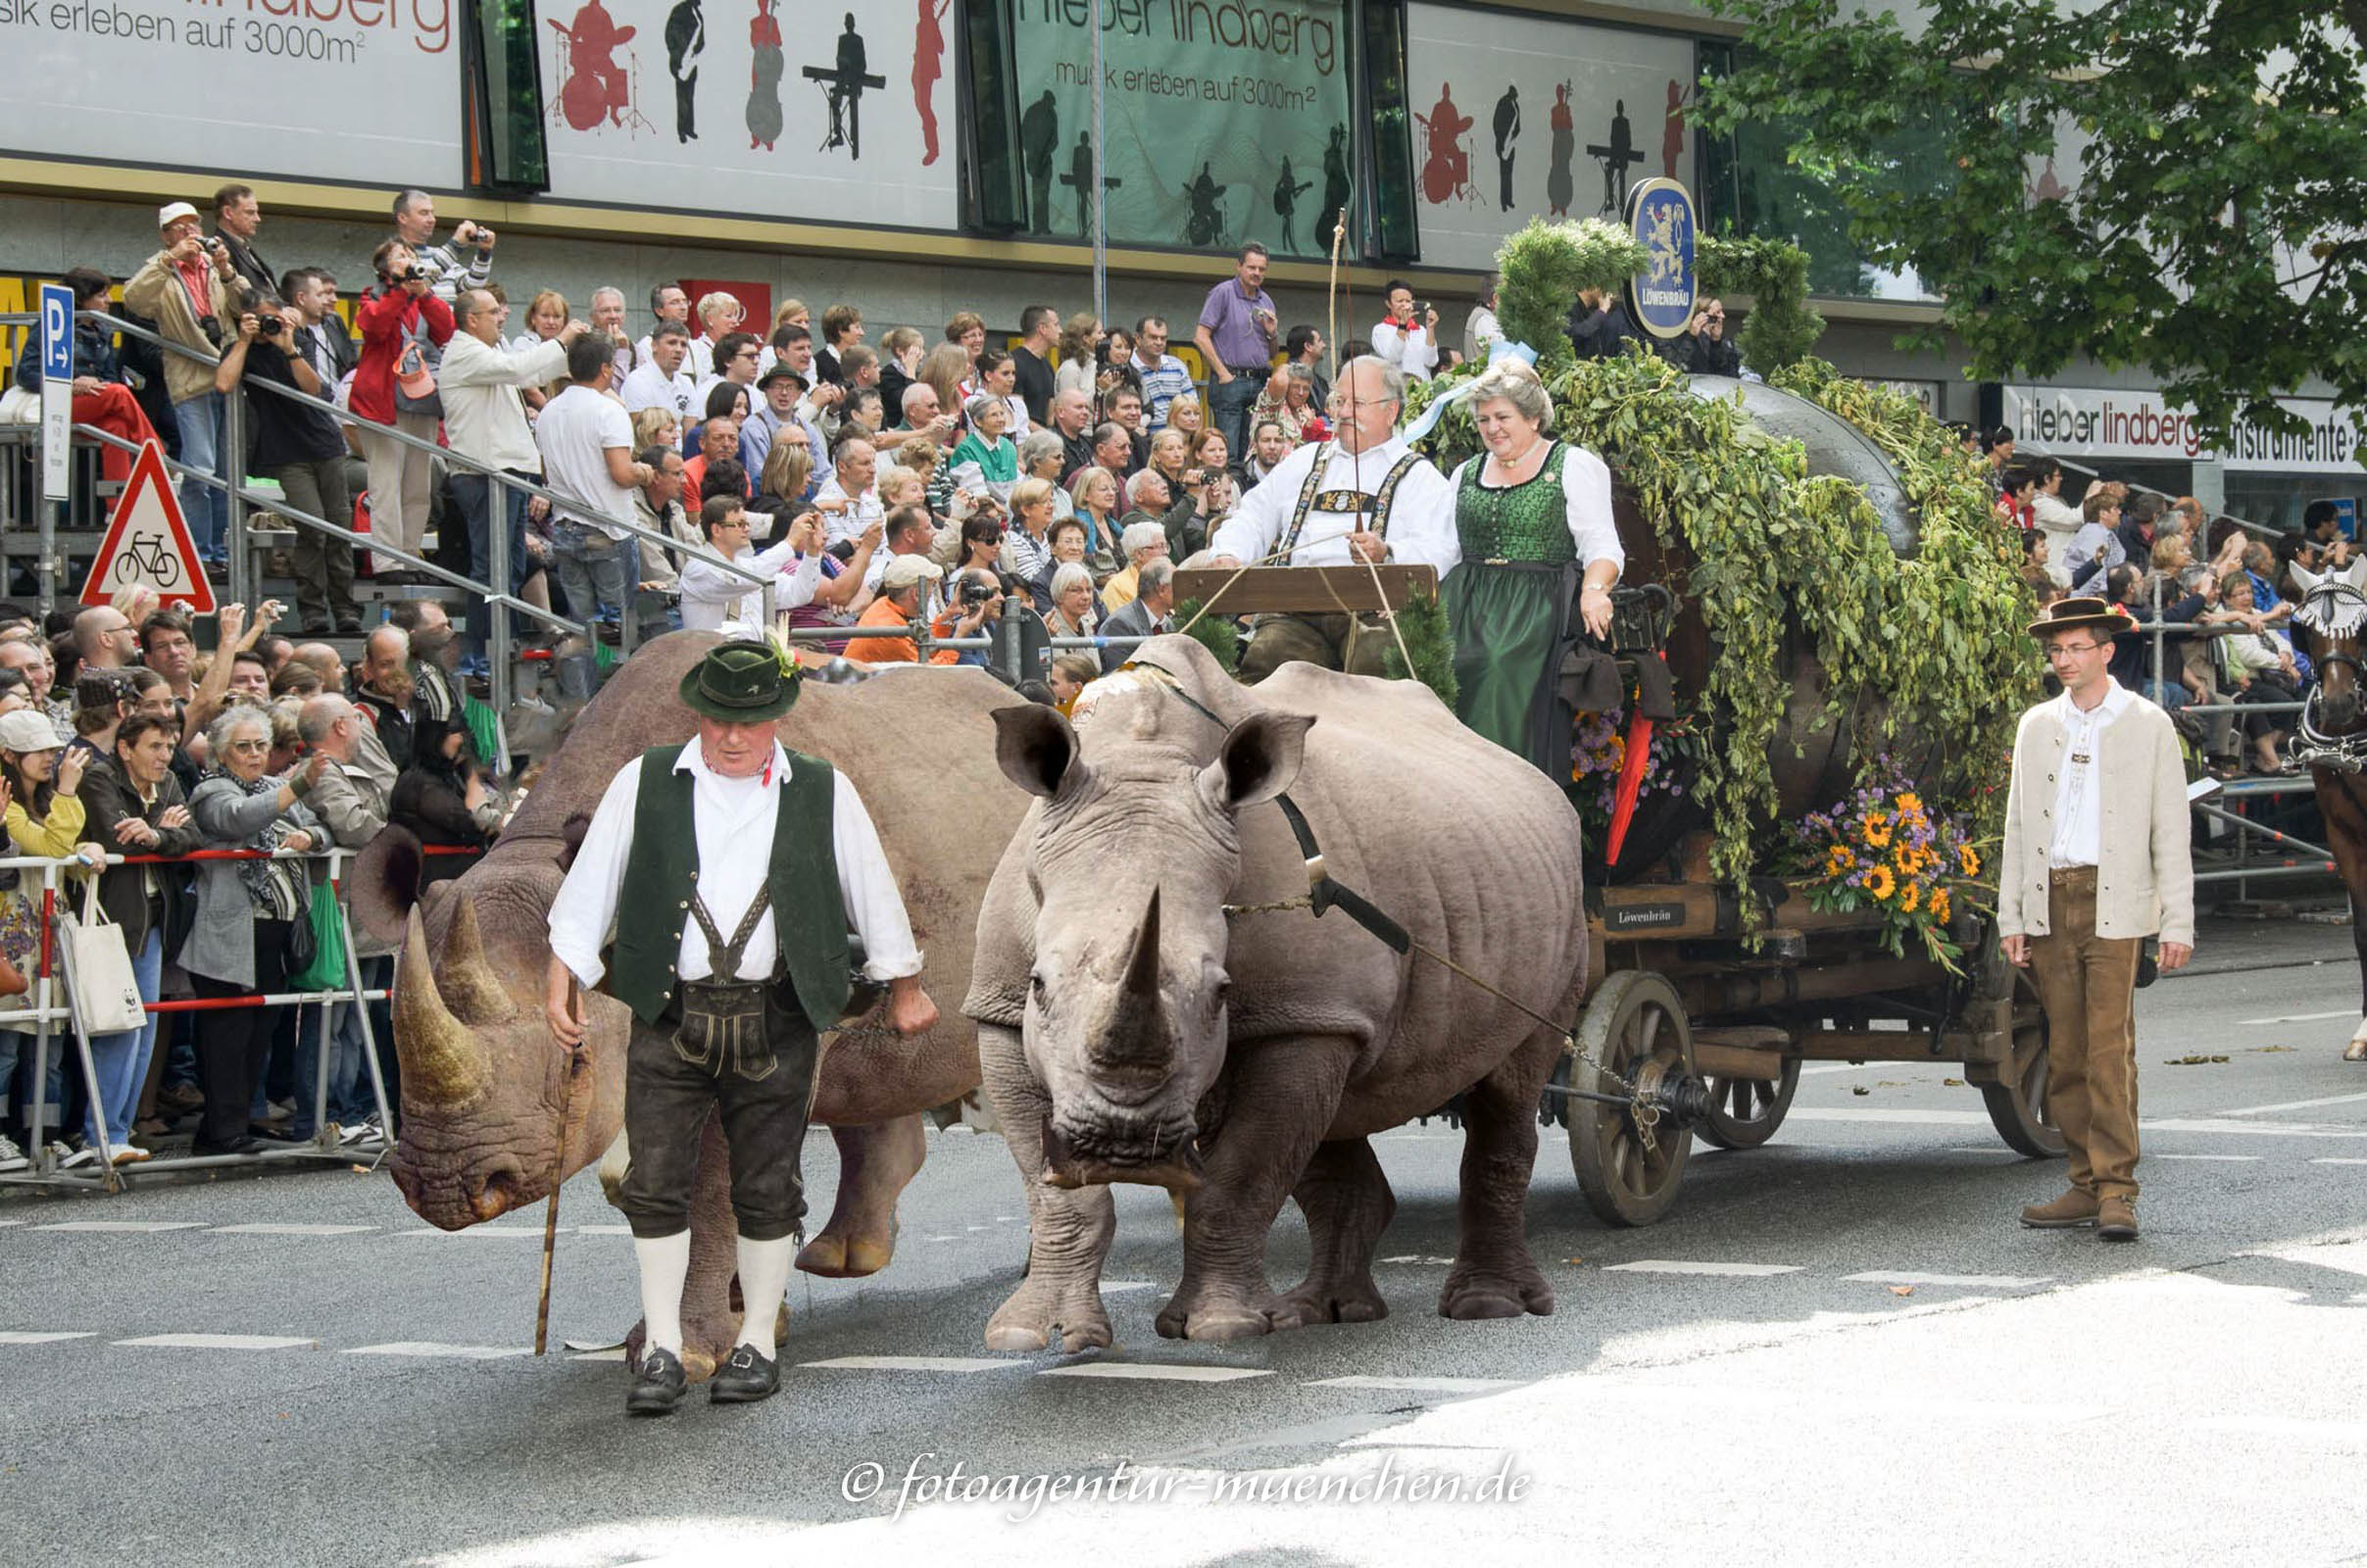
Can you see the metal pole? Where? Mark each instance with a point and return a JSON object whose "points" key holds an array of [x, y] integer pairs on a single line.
{"points": [[233, 464], [1101, 187], [370, 1040], [41, 999], [498, 656], [54, 515]]}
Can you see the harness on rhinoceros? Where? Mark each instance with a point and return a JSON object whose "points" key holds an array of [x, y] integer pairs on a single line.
{"points": [[1326, 892]]}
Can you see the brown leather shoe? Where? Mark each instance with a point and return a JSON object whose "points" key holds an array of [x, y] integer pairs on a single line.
{"points": [[2116, 1221], [2067, 1213]]}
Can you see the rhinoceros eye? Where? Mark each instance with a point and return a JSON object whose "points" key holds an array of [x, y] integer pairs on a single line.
{"points": [[1035, 987]]}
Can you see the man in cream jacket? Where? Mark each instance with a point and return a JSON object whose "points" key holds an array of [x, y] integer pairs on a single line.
{"points": [[2095, 860]]}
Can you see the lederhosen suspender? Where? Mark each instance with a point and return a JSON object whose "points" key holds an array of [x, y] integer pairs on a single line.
{"points": [[722, 1015], [1311, 494]]}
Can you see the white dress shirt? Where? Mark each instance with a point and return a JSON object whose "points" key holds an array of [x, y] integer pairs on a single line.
{"points": [[1408, 348], [1586, 497], [2078, 787], [712, 596], [734, 820], [483, 416], [861, 512], [652, 388], [1421, 517]]}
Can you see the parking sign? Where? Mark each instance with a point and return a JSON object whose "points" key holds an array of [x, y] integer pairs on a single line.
{"points": [[57, 391]]}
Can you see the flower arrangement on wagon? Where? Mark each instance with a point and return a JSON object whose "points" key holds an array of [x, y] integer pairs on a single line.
{"points": [[1885, 847], [1598, 752]]}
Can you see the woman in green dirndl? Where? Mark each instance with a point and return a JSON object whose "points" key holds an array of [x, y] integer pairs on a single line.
{"points": [[1533, 515]]}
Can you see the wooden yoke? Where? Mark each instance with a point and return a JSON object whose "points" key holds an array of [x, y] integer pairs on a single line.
{"points": [[1303, 589]]}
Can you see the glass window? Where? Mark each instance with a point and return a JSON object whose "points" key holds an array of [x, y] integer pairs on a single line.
{"points": [[504, 100], [1394, 232]]}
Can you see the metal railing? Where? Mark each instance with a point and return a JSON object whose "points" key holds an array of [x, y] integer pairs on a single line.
{"points": [[240, 498]]}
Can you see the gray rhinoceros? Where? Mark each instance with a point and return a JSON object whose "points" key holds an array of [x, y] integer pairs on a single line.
{"points": [[482, 1079], [1144, 1015]]}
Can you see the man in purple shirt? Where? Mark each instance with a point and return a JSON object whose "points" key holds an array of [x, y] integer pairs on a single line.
{"points": [[1236, 336]]}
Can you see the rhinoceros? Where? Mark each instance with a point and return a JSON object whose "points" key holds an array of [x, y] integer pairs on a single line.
{"points": [[1156, 1003], [481, 1078]]}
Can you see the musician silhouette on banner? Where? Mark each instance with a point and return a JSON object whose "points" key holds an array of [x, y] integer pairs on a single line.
{"points": [[1335, 187], [1560, 187], [596, 87], [1508, 131], [1615, 156], [1079, 179], [1447, 170], [1672, 131], [842, 86], [765, 77], [1039, 145], [685, 41], [928, 63], [1205, 224], [1287, 192]]}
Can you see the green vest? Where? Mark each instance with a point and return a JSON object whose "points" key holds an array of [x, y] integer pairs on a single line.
{"points": [[661, 870], [1525, 521]]}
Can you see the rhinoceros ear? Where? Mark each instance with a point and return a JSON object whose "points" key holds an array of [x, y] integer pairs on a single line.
{"points": [[1035, 746], [1258, 759]]}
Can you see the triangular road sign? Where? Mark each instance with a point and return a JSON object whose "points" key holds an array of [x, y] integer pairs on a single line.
{"points": [[148, 543]]}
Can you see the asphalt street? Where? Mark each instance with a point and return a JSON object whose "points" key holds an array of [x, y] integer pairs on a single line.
{"points": [[1838, 1348]]}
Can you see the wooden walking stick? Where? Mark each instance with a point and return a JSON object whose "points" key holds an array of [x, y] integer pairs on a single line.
{"points": [[558, 1172]]}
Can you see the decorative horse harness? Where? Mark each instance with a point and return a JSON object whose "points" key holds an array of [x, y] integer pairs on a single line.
{"points": [[2334, 609]]}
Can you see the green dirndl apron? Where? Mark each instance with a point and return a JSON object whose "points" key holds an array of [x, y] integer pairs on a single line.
{"points": [[1511, 603]]}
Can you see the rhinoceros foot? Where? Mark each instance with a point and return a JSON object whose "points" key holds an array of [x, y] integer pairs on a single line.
{"points": [[1476, 1291], [1338, 1302], [1044, 1307], [1226, 1312], [838, 1256]]}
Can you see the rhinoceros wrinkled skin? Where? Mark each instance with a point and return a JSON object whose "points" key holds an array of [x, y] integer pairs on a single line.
{"points": [[481, 1077], [1131, 1030]]}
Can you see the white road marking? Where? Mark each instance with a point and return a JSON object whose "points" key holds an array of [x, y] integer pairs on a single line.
{"points": [[936, 1237], [10, 1224], [2329, 1159], [1997, 1281], [124, 1227], [2173, 1124], [261, 1228], [1418, 1260], [915, 1363], [1843, 1066], [224, 1341], [463, 1352], [1663, 1265], [1989, 1149], [1168, 1370], [532, 1231], [1419, 1385], [603, 1230], [36, 1337], [2230, 1158], [1111, 1287], [2303, 1017], [1935, 1118], [2295, 1105], [614, 1352]]}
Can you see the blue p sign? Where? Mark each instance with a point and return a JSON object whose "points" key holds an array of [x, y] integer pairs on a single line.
{"points": [[57, 332]]}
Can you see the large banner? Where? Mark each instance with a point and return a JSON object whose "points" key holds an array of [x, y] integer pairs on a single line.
{"points": [[1535, 119], [1226, 120], [367, 91], [829, 113], [2072, 421]]}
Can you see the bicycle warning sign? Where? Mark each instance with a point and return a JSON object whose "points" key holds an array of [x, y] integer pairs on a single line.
{"points": [[148, 543]]}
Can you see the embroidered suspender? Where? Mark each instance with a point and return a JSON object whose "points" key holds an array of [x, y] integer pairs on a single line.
{"points": [[1312, 496]]}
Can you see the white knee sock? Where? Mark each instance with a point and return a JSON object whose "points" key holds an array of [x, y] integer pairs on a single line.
{"points": [[665, 1266], [763, 1281]]}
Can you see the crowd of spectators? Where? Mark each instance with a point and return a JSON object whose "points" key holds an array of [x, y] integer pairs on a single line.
{"points": [[119, 738]]}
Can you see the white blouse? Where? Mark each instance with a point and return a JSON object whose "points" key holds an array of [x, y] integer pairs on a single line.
{"points": [[1585, 489]]}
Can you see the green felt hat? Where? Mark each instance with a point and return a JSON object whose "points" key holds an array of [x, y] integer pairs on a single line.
{"points": [[741, 683]]}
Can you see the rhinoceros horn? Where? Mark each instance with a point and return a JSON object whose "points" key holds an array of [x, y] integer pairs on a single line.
{"points": [[1138, 1038], [443, 1061], [471, 986]]}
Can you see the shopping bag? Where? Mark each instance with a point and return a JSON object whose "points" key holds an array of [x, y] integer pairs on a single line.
{"points": [[106, 991], [327, 970]]}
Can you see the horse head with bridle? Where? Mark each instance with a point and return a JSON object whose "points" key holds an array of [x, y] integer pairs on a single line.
{"points": [[2332, 739]]}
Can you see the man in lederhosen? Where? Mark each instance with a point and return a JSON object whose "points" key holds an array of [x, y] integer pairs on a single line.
{"points": [[1366, 496], [737, 866]]}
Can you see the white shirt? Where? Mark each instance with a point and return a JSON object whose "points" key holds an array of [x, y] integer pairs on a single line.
{"points": [[1586, 494], [734, 820], [701, 360], [1410, 348], [1480, 329], [483, 417], [712, 596], [1421, 517], [652, 388], [577, 430], [863, 511], [2079, 818]]}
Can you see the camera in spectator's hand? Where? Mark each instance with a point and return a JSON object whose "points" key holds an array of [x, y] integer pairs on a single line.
{"points": [[404, 273], [974, 593]]}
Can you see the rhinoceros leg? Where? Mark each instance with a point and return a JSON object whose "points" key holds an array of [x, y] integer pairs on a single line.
{"points": [[1347, 1204], [873, 1165], [711, 1308], [1068, 1233], [1282, 1095], [1494, 1275]]}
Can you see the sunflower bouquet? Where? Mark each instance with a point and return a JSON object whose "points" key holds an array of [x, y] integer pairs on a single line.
{"points": [[1886, 848]]}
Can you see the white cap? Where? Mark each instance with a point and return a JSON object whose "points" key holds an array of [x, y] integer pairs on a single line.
{"points": [[172, 213], [906, 570], [28, 730]]}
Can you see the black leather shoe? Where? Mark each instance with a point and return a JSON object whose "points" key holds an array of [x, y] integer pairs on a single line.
{"points": [[657, 1387], [744, 1378]]}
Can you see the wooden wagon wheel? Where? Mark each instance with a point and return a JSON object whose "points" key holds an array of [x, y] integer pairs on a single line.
{"points": [[1743, 1112], [2017, 1103], [1635, 1024]]}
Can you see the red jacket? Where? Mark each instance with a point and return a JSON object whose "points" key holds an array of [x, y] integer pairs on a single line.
{"points": [[384, 322]]}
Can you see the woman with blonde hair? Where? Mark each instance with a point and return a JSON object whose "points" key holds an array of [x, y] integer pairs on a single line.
{"points": [[787, 482], [658, 426], [1026, 557], [793, 313], [1072, 602], [1080, 335], [1533, 515], [1095, 492], [946, 369]]}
